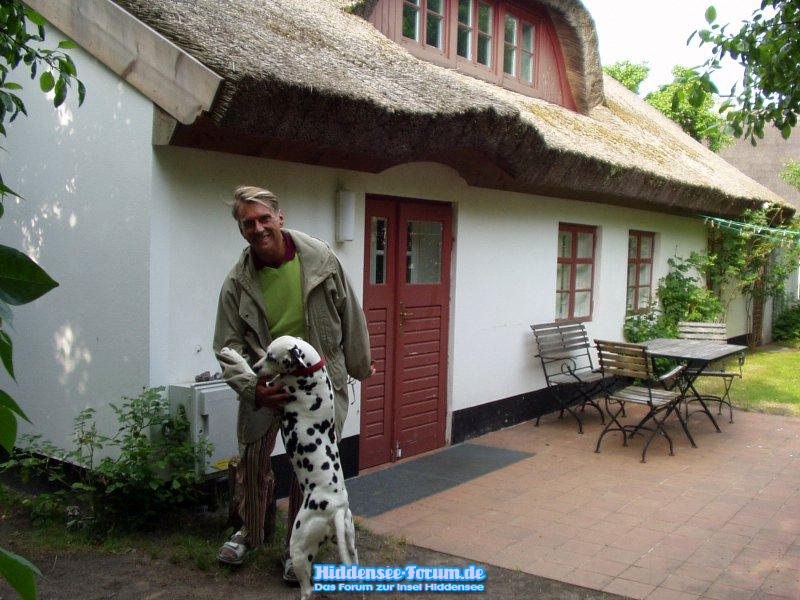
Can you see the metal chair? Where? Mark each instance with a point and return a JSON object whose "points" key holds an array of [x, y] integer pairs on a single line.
{"points": [[632, 363], [716, 333], [565, 353]]}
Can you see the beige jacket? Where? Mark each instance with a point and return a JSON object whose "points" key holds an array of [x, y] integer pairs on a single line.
{"points": [[334, 319]]}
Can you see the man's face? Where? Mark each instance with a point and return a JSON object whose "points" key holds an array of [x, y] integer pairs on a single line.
{"points": [[261, 227]]}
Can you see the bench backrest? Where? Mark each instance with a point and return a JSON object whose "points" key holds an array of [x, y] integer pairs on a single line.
{"points": [[716, 332], [563, 343], [621, 359]]}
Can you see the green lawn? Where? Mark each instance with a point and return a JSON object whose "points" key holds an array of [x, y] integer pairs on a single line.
{"points": [[771, 382]]}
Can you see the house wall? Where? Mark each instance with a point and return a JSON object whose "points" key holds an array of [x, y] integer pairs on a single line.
{"points": [[85, 175], [140, 239]]}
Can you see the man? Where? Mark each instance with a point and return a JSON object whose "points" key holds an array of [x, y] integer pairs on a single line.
{"points": [[285, 283]]}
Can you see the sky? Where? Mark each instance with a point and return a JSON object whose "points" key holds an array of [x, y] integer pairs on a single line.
{"points": [[655, 31]]}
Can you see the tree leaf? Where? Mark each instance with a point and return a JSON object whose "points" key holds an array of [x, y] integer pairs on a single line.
{"points": [[7, 353], [9, 403], [21, 279], [711, 15], [47, 81], [20, 574], [8, 429]]}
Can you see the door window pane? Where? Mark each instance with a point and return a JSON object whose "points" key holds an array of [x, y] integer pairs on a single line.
{"points": [[377, 258], [424, 252]]}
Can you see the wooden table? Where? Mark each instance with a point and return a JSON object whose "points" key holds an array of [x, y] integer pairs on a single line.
{"points": [[698, 353]]}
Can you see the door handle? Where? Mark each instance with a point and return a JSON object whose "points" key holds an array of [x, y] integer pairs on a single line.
{"points": [[404, 314]]}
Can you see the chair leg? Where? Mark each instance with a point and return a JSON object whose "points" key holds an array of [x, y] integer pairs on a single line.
{"points": [[612, 419], [659, 428]]}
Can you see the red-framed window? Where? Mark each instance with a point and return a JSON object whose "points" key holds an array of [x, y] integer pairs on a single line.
{"points": [[575, 272], [491, 36], [640, 270], [519, 41], [475, 36]]}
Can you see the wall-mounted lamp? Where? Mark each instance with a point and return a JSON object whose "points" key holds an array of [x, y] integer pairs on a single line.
{"points": [[345, 216]]}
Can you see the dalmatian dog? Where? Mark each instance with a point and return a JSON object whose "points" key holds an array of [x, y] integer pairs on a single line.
{"points": [[307, 426]]}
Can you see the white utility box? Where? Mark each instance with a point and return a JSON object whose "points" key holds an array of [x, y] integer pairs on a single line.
{"points": [[211, 408]]}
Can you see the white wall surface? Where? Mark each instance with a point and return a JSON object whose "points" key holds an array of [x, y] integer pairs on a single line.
{"points": [[85, 176]]}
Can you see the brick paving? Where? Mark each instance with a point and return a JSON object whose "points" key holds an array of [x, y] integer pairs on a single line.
{"points": [[720, 521]]}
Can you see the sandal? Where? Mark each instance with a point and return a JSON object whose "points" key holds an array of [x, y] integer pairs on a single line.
{"points": [[234, 550]]}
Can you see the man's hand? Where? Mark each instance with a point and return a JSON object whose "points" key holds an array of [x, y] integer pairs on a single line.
{"points": [[270, 394]]}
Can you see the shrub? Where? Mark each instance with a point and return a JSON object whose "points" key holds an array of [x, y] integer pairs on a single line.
{"points": [[787, 325], [150, 472], [647, 326], [681, 296]]}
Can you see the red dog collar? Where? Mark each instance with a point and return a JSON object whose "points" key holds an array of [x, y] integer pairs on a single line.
{"points": [[310, 370]]}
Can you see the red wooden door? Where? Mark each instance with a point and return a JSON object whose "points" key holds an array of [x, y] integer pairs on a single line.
{"points": [[406, 300]]}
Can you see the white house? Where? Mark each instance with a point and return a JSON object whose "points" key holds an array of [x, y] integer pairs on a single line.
{"points": [[469, 156]]}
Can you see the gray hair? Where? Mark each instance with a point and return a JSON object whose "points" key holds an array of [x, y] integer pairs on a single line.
{"points": [[248, 193]]}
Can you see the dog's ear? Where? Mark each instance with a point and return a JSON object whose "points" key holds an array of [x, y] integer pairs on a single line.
{"points": [[297, 355]]}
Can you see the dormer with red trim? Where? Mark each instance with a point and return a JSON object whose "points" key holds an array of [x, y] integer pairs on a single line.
{"points": [[511, 44]]}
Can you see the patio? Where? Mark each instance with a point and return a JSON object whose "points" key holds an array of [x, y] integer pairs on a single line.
{"points": [[719, 521]]}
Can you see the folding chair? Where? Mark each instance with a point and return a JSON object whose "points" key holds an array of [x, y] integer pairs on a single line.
{"points": [[632, 362], [564, 351], [714, 333]]}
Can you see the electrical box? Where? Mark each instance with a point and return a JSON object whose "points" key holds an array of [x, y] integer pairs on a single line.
{"points": [[211, 408]]}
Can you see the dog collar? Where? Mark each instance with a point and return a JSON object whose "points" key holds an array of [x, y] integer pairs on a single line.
{"points": [[310, 370]]}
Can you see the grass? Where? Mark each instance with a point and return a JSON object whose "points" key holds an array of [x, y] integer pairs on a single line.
{"points": [[770, 383]]}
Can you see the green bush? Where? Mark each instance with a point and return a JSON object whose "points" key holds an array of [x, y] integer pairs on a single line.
{"points": [[150, 470], [647, 326], [681, 295], [787, 326]]}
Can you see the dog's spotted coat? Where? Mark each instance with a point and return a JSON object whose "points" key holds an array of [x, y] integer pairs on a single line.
{"points": [[309, 435]]}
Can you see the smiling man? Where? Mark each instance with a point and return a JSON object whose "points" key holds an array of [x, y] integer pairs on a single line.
{"points": [[284, 283]]}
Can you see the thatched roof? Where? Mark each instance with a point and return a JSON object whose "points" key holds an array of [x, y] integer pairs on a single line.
{"points": [[310, 81]]}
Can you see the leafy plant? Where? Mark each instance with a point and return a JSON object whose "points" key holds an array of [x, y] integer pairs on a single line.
{"points": [[787, 325], [768, 48], [683, 297], [753, 257], [629, 74], [647, 326], [149, 471], [699, 119]]}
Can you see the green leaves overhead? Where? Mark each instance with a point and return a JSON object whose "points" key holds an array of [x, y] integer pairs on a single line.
{"points": [[768, 48]]}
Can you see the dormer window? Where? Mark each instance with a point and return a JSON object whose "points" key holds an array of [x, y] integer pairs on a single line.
{"points": [[518, 49], [475, 24], [507, 43], [429, 12]]}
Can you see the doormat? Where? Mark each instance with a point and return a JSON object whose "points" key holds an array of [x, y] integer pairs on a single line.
{"points": [[393, 487]]}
